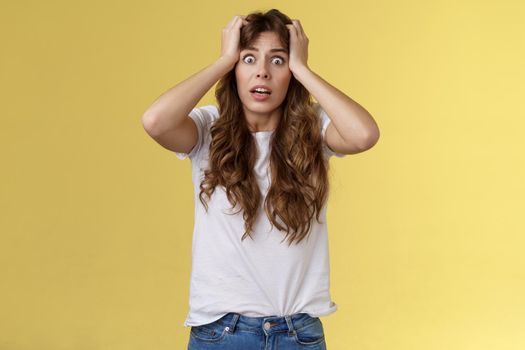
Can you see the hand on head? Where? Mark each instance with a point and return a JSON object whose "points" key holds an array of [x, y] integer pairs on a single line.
{"points": [[298, 46], [230, 39]]}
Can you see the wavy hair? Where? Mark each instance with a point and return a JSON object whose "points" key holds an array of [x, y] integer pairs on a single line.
{"points": [[299, 172]]}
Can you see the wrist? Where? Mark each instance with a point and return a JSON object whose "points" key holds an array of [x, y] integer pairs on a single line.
{"points": [[301, 71], [227, 62]]}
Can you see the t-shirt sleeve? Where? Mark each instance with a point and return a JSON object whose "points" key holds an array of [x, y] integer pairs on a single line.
{"points": [[325, 121], [203, 118]]}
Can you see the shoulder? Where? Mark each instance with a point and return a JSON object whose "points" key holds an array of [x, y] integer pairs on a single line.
{"points": [[212, 110], [205, 114], [324, 120]]}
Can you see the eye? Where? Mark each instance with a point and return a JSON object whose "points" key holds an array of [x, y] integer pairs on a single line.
{"points": [[279, 59], [246, 57], [250, 59]]}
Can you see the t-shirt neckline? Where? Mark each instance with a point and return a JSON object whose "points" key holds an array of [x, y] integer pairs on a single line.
{"points": [[262, 132]]}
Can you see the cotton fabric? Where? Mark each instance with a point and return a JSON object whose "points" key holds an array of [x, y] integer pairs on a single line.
{"points": [[256, 277]]}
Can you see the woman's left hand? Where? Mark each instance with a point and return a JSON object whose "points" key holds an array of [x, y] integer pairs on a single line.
{"points": [[298, 55]]}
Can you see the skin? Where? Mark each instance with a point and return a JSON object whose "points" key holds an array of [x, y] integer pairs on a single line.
{"points": [[262, 66], [352, 128]]}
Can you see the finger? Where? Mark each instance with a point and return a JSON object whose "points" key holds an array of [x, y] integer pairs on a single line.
{"points": [[231, 24], [241, 22], [299, 28], [293, 33], [292, 28]]}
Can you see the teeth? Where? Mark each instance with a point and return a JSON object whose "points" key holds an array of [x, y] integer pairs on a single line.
{"points": [[262, 90]]}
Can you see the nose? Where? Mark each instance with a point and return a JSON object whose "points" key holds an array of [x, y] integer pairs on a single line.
{"points": [[262, 71]]}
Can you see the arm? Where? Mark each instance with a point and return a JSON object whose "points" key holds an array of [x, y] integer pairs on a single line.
{"points": [[352, 129], [171, 108], [167, 120]]}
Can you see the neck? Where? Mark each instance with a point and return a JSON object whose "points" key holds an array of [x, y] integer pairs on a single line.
{"points": [[262, 121]]}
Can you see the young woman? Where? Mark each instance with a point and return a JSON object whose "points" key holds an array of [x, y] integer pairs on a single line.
{"points": [[259, 170]]}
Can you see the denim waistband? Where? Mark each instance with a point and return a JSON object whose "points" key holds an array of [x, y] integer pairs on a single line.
{"points": [[266, 324]]}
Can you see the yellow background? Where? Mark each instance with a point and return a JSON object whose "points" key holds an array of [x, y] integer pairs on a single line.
{"points": [[426, 228]]}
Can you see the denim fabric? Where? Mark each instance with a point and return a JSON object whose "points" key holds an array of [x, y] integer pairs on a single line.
{"points": [[234, 331]]}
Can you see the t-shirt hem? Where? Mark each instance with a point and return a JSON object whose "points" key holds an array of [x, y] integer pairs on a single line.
{"points": [[320, 313], [188, 324]]}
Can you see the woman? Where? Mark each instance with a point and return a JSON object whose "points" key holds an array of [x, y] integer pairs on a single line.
{"points": [[259, 169]]}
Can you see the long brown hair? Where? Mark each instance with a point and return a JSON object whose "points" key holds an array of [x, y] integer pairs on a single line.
{"points": [[299, 172]]}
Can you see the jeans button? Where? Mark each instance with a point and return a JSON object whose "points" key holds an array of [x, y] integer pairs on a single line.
{"points": [[267, 325]]}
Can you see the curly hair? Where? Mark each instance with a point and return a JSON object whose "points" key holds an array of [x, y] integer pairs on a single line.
{"points": [[299, 171]]}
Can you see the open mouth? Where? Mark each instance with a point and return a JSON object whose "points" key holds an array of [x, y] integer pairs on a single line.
{"points": [[260, 91]]}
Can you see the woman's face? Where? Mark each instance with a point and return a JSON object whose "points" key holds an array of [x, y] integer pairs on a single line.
{"points": [[265, 62]]}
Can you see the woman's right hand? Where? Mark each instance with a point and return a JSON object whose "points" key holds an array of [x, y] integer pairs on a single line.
{"points": [[230, 39]]}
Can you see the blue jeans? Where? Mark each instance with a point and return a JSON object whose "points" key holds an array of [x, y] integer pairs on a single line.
{"points": [[234, 331]]}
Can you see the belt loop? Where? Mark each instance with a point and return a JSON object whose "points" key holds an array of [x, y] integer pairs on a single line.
{"points": [[233, 322], [291, 330]]}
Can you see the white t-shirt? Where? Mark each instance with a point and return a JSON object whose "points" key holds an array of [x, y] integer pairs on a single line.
{"points": [[259, 277]]}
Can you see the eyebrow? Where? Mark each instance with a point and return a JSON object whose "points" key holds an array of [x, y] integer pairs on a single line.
{"points": [[272, 50]]}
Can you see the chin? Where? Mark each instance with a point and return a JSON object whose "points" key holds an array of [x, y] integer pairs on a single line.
{"points": [[260, 108]]}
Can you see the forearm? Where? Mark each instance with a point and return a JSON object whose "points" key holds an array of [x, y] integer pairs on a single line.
{"points": [[351, 121], [170, 109]]}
